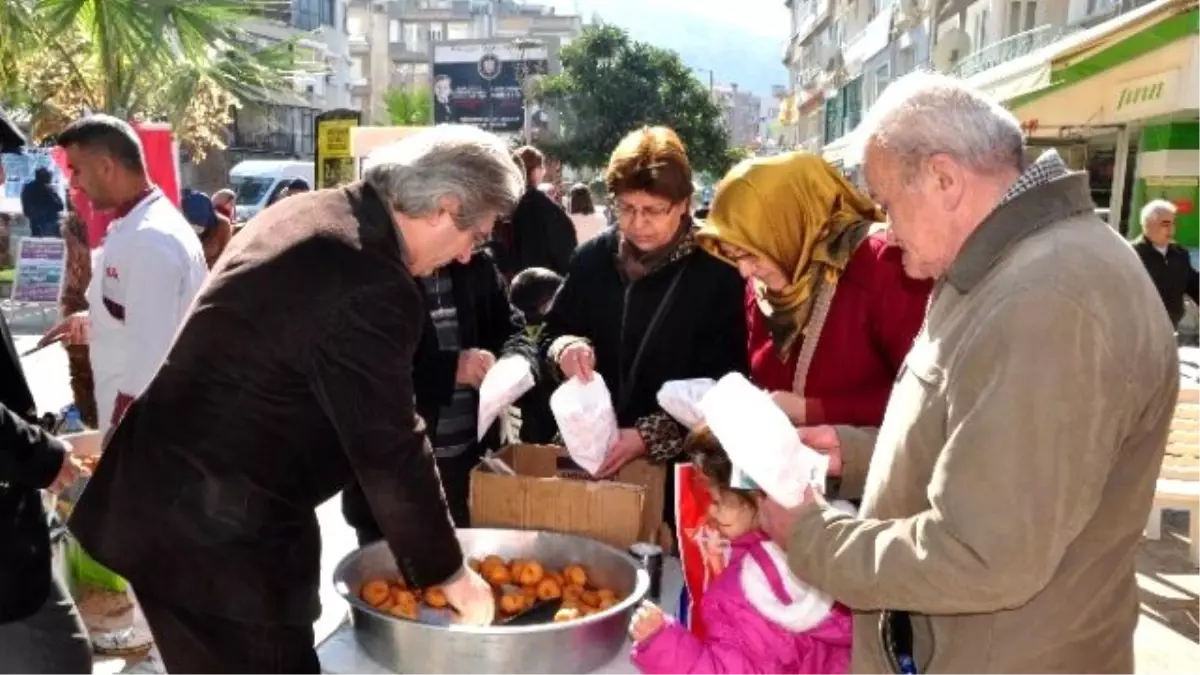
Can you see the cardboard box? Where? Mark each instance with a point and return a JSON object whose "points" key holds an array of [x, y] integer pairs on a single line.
{"points": [[547, 494]]}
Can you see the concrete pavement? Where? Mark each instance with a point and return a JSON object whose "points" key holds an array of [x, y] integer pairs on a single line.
{"points": [[1167, 638]]}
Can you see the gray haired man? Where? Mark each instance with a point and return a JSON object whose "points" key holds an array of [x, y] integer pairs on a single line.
{"points": [[1168, 263], [1012, 477], [292, 372]]}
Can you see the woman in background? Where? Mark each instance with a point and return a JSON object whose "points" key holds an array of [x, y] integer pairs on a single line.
{"points": [[538, 233], [588, 223]]}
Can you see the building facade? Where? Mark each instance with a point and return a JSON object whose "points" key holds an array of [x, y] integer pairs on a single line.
{"points": [[742, 113]]}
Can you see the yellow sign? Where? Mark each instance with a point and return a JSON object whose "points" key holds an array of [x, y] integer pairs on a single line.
{"points": [[333, 137]]}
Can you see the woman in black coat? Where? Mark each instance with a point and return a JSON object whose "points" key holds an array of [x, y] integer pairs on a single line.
{"points": [[539, 233], [642, 304]]}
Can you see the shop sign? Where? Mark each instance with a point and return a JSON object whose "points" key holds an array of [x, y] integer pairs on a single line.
{"points": [[1144, 96]]}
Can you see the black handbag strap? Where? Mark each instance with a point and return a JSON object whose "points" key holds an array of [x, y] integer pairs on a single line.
{"points": [[660, 312]]}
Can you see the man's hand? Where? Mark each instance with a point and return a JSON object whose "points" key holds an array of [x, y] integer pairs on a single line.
{"points": [[824, 439], [778, 521], [577, 360], [647, 621], [72, 330], [472, 598], [792, 405], [473, 366], [628, 447], [72, 469]]}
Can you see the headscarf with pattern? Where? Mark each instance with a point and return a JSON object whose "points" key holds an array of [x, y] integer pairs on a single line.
{"points": [[798, 212]]}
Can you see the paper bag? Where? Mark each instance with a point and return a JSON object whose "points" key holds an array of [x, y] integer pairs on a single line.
{"points": [[761, 441], [507, 381], [586, 420], [681, 400]]}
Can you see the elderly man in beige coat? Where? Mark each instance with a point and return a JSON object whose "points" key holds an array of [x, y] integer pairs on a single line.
{"points": [[1009, 484]]}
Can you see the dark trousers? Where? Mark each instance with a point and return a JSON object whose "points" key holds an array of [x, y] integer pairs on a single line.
{"points": [[52, 641], [455, 473], [190, 642]]}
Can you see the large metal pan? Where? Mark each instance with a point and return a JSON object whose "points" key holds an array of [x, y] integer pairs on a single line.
{"points": [[579, 646]]}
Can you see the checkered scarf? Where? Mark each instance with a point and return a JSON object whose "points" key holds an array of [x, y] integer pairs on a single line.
{"points": [[1044, 169]]}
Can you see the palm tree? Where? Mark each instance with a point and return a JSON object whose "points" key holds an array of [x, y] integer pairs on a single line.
{"points": [[186, 62]]}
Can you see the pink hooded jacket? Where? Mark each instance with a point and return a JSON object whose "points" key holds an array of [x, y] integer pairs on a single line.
{"points": [[760, 619]]}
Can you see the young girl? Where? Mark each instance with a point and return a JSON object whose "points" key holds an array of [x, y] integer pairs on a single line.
{"points": [[759, 618]]}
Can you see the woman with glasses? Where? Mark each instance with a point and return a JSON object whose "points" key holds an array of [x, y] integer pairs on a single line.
{"points": [[642, 304], [830, 312]]}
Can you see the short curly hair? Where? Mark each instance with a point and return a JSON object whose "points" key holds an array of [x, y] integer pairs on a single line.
{"points": [[653, 160]]}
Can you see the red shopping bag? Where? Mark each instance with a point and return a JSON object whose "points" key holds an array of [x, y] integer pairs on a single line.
{"points": [[702, 552]]}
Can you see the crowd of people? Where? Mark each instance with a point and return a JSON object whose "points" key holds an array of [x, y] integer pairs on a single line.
{"points": [[943, 337]]}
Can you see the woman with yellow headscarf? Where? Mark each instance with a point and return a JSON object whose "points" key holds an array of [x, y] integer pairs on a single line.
{"points": [[830, 312]]}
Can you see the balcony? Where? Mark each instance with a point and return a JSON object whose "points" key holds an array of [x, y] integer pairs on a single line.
{"points": [[1010, 48], [360, 86], [409, 52], [273, 142], [359, 45]]}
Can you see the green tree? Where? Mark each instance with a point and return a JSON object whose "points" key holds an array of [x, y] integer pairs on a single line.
{"points": [[611, 85], [410, 106], [186, 62]]}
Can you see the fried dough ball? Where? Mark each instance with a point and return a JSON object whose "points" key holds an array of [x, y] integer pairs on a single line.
{"points": [[498, 575], [375, 593], [606, 603], [515, 567], [530, 595], [474, 564], [512, 603], [567, 614], [573, 592], [575, 574], [549, 589], [530, 574], [491, 562], [556, 576], [606, 594], [405, 607], [591, 598], [436, 598]]}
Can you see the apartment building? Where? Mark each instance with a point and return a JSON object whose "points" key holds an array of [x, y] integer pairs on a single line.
{"points": [[415, 25], [742, 112], [1113, 85]]}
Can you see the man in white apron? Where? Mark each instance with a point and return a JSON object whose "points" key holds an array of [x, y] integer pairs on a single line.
{"points": [[144, 278]]}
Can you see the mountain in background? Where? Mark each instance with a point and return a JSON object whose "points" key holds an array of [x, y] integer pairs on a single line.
{"points": [[741, 42]]}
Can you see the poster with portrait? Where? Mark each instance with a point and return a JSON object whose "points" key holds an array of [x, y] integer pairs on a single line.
{"points": [[480, 83]]}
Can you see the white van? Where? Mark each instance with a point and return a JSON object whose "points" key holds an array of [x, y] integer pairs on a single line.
{"points": [[258, 182]]}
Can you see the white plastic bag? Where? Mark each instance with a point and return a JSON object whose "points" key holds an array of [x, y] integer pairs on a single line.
{"points": [[761, 441], [681, 399], [586, 419], [507, 381]]}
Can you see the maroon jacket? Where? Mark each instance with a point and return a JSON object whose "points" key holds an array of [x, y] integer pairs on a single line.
{"points": [[291, 374]]}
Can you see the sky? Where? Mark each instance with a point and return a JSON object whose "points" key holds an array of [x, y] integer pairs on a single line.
{"points": [[741, 41]]}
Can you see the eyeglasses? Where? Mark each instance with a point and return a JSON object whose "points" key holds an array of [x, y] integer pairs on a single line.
{"points": [[628, 212]]}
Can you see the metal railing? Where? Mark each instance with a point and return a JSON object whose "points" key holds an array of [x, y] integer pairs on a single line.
{"points": [[1010, 48]]}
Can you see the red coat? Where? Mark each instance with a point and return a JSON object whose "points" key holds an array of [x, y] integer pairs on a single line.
{"points": [[875, 313]]}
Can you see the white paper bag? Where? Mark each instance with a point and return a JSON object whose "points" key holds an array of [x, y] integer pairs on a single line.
{"points": [[681, 400], [507, 381], [586, 419], [761, 441]]}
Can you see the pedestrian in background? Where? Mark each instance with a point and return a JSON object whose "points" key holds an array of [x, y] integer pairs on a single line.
{"points": [[1168, 263], [532, 292], [588, 223], [42, 205], [538, 233], [213, 228]]}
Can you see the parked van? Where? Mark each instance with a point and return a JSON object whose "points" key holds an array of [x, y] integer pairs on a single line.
{"points": [[258, 182]]}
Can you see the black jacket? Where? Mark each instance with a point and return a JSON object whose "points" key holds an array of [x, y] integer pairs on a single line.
{"points": [[29, 460], [1173, 275], [701, 332], [291, 373], [486, 320], [539, 233]]}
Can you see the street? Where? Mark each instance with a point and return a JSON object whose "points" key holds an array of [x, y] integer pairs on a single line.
{"points": [[1168, 638]]}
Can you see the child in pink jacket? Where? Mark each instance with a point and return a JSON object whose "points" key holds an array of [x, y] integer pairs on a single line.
{"points": [[759, 618]]}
